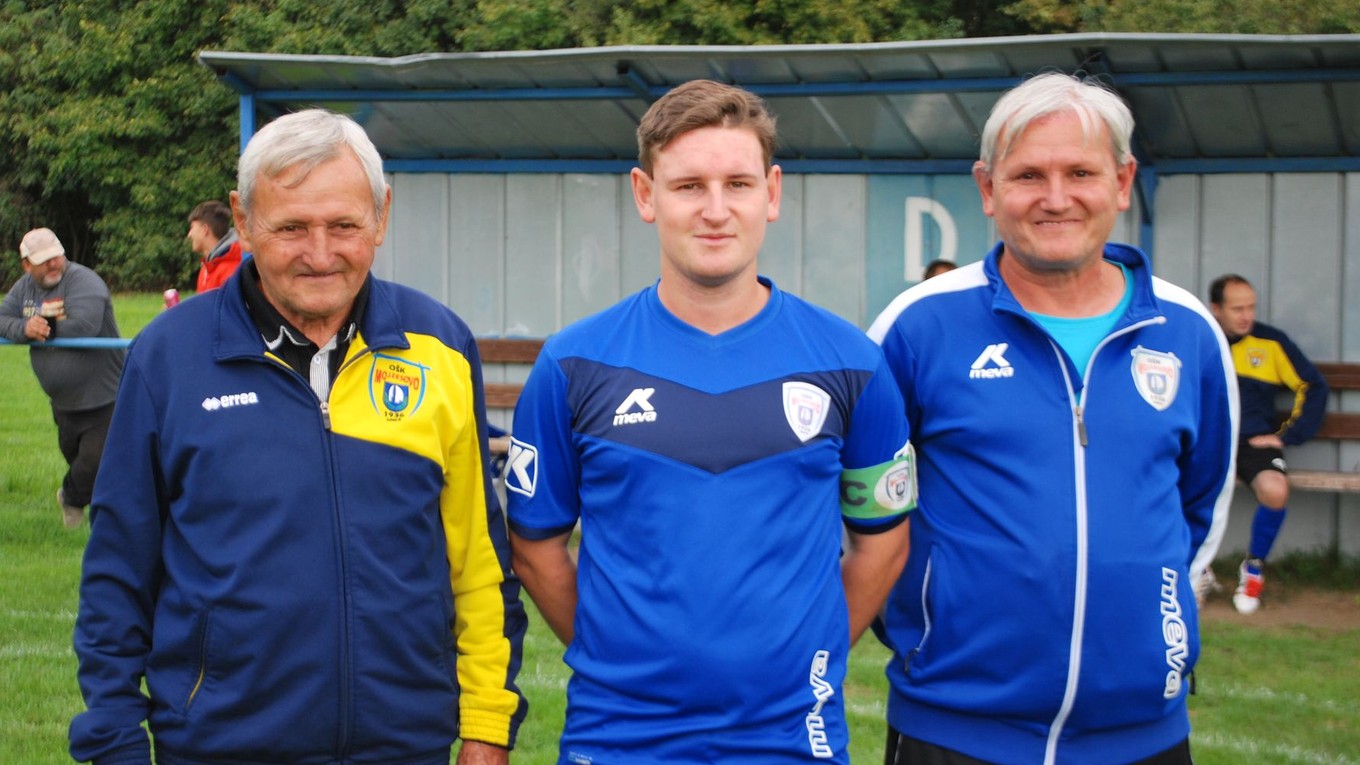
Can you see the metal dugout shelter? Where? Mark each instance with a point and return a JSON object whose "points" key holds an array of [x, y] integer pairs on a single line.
{"points": [[512, 205]]}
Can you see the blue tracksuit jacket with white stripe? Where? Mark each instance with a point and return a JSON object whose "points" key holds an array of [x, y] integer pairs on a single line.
{"points": [[1047, 613]]}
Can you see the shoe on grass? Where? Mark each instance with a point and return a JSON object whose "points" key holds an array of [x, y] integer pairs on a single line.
{"points": [[71, 516], [1206, 585], [1250, 582]]}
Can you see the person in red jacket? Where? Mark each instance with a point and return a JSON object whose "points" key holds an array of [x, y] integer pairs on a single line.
{"points": [[212, 237]]}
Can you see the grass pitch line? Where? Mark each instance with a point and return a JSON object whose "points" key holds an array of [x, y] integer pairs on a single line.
{"points": [[53, 616], [1280, 754], [42, 651], [1296, 700]]}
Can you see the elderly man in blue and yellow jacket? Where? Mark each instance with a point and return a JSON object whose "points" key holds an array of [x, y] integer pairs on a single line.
{"points": [[295, 542]]}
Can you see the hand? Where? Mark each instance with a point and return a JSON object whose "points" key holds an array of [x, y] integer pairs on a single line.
{"points": [[1267, 441], [37, 329], [478, 753]]}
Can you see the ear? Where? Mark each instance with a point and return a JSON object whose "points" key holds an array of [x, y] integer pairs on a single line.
{"points": [[984, 183], [774, 181], [383, 218], [238, 219], [1124, 177], [642, 195]]}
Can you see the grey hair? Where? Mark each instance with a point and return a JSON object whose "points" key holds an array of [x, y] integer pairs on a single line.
{"points": [[1052, 93], [307, 139]]}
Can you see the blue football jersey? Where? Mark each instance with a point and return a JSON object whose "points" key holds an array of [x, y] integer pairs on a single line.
{"points": [[707, 476]]}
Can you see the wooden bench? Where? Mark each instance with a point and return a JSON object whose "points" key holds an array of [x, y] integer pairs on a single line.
{"points": [[1336, 426], [503, 396]]}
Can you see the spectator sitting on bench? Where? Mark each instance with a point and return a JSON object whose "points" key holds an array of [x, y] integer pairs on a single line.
{"points": [[1267, 362]]}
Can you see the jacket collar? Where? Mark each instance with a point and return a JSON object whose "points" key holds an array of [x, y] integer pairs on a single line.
{"points": [[381, 325], [1142, 306], [223, 245]]}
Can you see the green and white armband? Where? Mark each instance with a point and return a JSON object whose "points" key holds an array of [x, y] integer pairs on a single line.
{"points": [[880, 491]]}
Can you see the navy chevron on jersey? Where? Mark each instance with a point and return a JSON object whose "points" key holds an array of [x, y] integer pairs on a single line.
{"points": [[706, 472]]}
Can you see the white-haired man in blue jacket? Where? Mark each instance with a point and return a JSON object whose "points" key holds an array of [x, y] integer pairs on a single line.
{"points": [[1075, 421]]}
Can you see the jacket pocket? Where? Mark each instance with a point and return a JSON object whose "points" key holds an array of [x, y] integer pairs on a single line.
{"points": [[199, 646], [926, 616], [177, 669]]}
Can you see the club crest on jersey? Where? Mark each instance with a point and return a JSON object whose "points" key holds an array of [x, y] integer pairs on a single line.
{"points": [[896, 490], [396, 386], [1157, 376], [805, 408], [1256, 357]]}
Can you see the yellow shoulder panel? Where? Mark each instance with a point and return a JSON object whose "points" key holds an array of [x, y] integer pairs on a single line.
{"points": [[419, 399]]}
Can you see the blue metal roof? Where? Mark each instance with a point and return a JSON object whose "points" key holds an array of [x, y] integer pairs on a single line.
{"points": [[1202, 103]]}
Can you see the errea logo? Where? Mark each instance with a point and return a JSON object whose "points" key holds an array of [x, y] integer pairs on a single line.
{"points": [[640, 398], [214, 403], [995, 355]]}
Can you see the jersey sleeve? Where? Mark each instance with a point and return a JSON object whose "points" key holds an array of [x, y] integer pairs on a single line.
{"points": [[1310, 395], [542, 469], [878, 477], [12, 319], [490, 623], [113, 629], [1206, 465]]}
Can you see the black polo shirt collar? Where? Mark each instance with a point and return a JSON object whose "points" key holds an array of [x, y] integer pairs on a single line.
{"points": [[288, 342]]}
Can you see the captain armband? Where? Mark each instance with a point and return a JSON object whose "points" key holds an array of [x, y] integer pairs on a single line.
{"points": [[881, 491]]}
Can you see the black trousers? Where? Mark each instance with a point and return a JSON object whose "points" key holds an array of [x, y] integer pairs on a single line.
{"points": [[904, 750], [81, 436]]}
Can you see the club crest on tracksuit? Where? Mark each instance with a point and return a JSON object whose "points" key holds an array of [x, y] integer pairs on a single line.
{"points": [[805, 408], [396, 386], [1157, 376]]}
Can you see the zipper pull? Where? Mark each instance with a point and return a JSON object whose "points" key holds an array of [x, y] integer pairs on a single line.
{"points": [[326, 415], [1081, 425]]}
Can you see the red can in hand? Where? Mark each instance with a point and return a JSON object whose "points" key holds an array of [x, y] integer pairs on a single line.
{"points": [[171, 298]]}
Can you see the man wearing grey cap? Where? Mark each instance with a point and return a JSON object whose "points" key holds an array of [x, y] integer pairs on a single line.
{"points": [[56, 298]]}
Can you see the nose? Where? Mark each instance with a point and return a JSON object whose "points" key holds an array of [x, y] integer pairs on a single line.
{"points": [[319, 252], [715, 204], [1056, 196]]}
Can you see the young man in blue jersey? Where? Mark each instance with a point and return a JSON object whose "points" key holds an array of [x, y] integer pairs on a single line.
{"points": [[1267, 363], [1074, 418], [712, 435]]}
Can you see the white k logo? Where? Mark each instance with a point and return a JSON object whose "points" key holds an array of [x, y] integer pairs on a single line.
{"points": [[521, 468], [993, 353], [639, 398]]}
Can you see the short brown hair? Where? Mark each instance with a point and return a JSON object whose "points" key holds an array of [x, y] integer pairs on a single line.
{"points": [[1220, 285], [699, 104], [215, 215]]}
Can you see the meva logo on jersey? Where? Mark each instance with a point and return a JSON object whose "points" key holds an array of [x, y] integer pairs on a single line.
{"points": [[396, 386], [640, 399], [995, 356]]}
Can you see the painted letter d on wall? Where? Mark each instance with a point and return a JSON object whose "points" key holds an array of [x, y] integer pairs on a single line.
{"points": [[920, 240]]}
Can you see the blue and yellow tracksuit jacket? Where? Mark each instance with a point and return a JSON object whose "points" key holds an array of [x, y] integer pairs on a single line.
{"points": [[296, 580], [1268, 362]]}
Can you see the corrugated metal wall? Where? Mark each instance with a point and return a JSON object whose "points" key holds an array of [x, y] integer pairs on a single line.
{"points": [[521, 255]]}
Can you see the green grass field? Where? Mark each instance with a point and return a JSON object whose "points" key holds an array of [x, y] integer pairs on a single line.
{"points": [[1267, 696]]}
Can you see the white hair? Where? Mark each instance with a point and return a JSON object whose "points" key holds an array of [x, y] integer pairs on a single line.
{"points": [[1051, 93], [306, 139]]}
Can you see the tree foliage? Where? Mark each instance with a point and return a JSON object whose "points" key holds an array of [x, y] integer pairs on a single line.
{"points": [[110, 131], [1291, 17]]}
